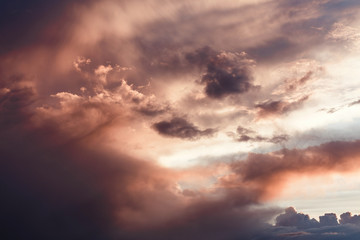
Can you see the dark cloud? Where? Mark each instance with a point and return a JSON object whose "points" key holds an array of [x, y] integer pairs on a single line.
{"points": [[293, 225], [14, 103], [65, 189], [293, 219], [181, 128], [151, 110], [241, 130], [348, 218], [329, 219], [302, 221], [248, 135], [60, 180], [279, 107], [223, 73], [226, 73], [56, 186], [27, 22], [331, 156]]}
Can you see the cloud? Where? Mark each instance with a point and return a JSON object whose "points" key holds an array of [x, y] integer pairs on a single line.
{"points": [[293, 219], [331, 156], [329, 219], [77, 187], [298, 82], [346, 35], [181, 128], [346, 218], [354, 103], [56, 185], [69, 169], [14, 104], [247, 135], [273, 108], [227, 73], [292, 224]]}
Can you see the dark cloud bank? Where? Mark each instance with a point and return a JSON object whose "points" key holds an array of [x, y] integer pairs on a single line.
{"points": [[294, 225]]}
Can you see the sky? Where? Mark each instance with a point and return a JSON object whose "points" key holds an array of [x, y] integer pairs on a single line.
{"points": [[167, 119]]}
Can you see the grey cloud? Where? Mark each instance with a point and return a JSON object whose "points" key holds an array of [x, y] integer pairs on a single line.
{"points": [[241, 130], [293, 219], [248, 135], [329, 219], [227, 73], [152, 110], [181, 128], [354, 103], [348, 218], [294, 225], [278, 107]]}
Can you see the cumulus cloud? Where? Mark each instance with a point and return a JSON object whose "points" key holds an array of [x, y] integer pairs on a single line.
{"points": [[226, 75], [293, 224], [293, 219], [181, 128], [347, 217], [226, 72]]}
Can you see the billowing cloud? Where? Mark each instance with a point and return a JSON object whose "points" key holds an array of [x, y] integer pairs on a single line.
{"points": [[226, 73], [348, 218], [293, 224], [293, 219]]}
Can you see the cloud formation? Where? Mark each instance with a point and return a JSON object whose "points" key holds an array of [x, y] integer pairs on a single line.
{"points": [[226, 72], [181, 128], [89, 113], [292, 224], [272, 108], [247, 135]]}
